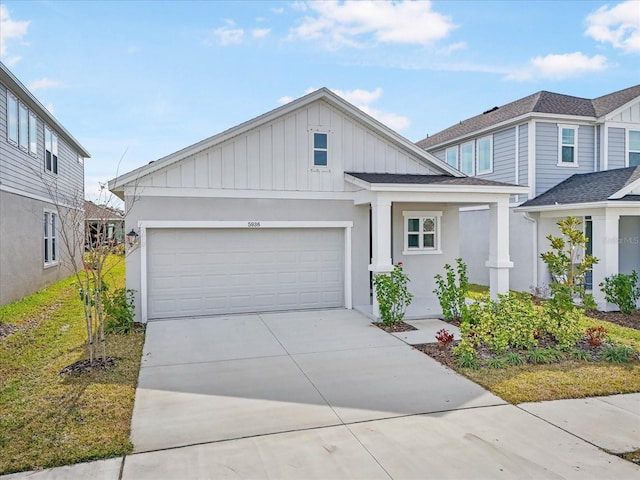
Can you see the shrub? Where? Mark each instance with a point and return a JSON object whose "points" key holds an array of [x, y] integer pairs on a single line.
{"points": [[622, 290], [392, 295], [562, 323], [118, 307], [617, 353], [595, 335], [539, 355], [453, 289], [513, 359], [444, 337], [496, 363], [579, 355], [466, 354]]}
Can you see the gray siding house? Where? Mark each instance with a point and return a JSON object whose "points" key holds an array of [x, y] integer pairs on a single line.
{"points": [[542, 141], [41, 178], [296, 209]]}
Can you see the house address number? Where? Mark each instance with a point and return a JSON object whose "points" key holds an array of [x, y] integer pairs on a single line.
{"points": [[253, 224]]}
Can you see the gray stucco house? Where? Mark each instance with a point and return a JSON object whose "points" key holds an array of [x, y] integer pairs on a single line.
{"points": [[41, 169], [577, 156], [296, 209]]}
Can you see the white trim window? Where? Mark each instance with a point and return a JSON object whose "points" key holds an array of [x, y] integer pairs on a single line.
{"points": [[568, 145], [50, 151], [50, 238], [633, 157], [467, 158], [33, 134], [320, 149], [484, 152], [421, 232], [451, 156], [12, 119], [23, 127]]}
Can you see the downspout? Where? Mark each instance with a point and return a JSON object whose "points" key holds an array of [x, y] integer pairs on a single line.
{"points": [[535, 247]]}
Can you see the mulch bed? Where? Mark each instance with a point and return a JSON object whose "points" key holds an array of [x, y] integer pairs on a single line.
{"points": [[631, 321], [86, 366], [6, 330], [398, 327]]}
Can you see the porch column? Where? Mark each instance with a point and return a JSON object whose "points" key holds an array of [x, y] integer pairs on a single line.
{"points": [[499, 262], [380, 241], [605, 249]]}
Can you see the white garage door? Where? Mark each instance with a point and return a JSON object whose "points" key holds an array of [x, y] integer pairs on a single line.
{"points": [[193, 272]]}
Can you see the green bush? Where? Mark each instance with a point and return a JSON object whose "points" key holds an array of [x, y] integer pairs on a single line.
{"points": [[119, 310], [392, 295], [622, 290], [453, 289], [617, 353]]}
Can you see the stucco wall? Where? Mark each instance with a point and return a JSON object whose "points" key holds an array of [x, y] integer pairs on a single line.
{"points": [[221, 209], [22, 248], [629, 258]]}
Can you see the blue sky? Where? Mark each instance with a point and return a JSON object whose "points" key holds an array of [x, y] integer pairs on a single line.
{"points": [[138, 80]]}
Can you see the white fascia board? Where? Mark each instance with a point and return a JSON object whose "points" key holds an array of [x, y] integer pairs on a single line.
{"points": [[632, 188], [440, 188], [578, 206], [231, 193], [255, 224], [621, 108], [512, 122]]}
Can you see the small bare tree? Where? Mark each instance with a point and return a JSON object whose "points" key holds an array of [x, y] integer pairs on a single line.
{"points": [[87, 246]]}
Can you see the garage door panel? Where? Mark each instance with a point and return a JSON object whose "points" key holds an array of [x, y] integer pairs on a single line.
{"points": [[194, 272]]}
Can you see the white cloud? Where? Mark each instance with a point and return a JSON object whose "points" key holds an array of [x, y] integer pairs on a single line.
{"points": [[229, 34], [11, 61], [560, 66], [43, 84], [260, 32], [354, 22], [618, 25], [10, 30], [363, 99], [453, 47]]}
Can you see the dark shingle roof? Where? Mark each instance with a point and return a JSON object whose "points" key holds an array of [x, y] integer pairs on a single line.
{"points": [[588, 188], [400, 178], [541, 102]]}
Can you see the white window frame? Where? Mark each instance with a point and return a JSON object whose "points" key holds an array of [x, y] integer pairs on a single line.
{"points": [[471, 144], [421, 216], [629, 150], [23, 127], [575, 145], [33, 134], [314, 149], [51, 147], [51, 250], [488, 138], [457, 155], [13, 117]]}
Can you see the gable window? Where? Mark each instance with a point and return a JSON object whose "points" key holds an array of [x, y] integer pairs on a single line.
{"points": [[421, 232], [568, 154], [51, 151], [634, 148], [485, 155], [12, 119], [50, 237], [451, 155], [466, 158], [33, 132], [320, 150]]}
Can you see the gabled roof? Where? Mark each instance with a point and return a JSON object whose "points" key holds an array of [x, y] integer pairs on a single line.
{"points": [[324, 94], [16, 86], [101, 212], [542, 102], [610, 185]]}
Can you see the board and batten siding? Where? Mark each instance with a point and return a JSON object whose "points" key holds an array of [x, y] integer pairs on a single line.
{"points": [[548, 173], [628, 115], [278, 156], [616, 148], [21, 171]]}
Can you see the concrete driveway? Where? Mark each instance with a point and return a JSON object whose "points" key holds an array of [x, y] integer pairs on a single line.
{"points": [[326, 395]]}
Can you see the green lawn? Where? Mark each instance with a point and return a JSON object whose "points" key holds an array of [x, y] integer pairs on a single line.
{"points": [[47, 419]]}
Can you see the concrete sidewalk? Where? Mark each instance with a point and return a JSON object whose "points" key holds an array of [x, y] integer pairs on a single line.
{"points": [[325, 394]]}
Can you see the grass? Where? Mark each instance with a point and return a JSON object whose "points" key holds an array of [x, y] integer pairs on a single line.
{"points": [[566, 379], [476, 291], [46, 419]]}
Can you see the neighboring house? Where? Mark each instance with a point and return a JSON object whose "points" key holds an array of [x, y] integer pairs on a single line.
{"points": [[41, 178], [103, 224], [294, 210], [544, 140]]}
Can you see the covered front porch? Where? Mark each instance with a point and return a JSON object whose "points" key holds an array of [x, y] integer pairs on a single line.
{"points": [[414, 220]]}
